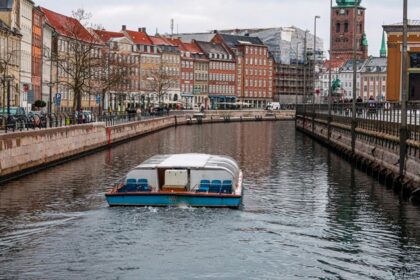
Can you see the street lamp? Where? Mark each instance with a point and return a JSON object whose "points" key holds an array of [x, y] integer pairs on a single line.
{"points": [[314, 52], [314, 74], [50, 86], [297, 70], [404, 127], [6, 80]]}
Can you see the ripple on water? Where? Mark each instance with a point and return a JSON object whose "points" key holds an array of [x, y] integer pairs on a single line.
{"points": [[306, 214]]}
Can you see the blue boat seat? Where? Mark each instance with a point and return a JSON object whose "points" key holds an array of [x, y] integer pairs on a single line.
{"points": [[143, 185], [204, 186], [215, 186], [226, 186], [131, 185]]}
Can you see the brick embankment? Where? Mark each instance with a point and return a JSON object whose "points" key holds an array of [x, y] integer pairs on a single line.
{"points": [[26, 152], [375, 153]]}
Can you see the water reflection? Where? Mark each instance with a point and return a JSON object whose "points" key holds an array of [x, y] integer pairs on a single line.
{"points": [[306, 214]]}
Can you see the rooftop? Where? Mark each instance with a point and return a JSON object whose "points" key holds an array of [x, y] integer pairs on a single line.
{"points": [[68, 26], [106, 36], [191, 161], [235, 40], [139, 37]]}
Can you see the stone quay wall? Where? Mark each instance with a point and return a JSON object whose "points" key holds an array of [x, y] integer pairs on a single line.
{"points": [[375, 153], [28, 151]]}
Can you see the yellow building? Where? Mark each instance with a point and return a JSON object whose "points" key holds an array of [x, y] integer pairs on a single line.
{"points": [[10, 39], [395, 40]]}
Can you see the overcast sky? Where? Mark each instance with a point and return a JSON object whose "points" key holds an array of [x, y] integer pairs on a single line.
{"points": [[200, 15]]}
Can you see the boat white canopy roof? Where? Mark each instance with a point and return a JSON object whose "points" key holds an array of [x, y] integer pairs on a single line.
{"points": [[192, 161]]}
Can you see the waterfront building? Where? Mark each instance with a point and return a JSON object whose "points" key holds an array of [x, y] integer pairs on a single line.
{"points": [[286, 46], [25, 24], [373, 78], [222, 74], [254, 76], [194, 74], [325, 78], [394, 37], [120, 90], [346, 78], [68, 41], [170, 70], [150, 62], [10, 39], [47, 64], [343, 29], [37, 36]]}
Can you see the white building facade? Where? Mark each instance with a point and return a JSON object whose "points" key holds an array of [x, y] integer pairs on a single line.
{"points": [[26, 7], [46, 62]]}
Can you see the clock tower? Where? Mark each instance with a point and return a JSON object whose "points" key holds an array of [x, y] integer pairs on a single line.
{"points": [[343, 29]]}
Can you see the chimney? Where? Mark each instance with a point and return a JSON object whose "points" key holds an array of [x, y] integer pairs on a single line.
{"points": [[142, 29], [215, 31], [124, 27]]}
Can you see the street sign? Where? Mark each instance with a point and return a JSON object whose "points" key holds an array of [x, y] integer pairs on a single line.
{"points": [[98, 99], [31, 97], [57, 99]]}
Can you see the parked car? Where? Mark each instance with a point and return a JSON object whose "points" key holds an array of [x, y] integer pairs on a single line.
{"points": [[14, 111], [17, 118], [273, 106]]}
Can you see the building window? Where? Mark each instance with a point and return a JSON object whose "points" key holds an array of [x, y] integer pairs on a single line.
{"points": [[346, 27], [337, 27]]}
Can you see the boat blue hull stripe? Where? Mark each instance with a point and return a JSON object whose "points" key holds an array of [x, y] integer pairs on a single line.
{"points": [[173, 200]]}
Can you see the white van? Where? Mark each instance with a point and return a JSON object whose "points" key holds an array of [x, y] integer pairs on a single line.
{"points": [[273, 106]]}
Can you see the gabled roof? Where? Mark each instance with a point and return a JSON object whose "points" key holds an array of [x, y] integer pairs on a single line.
{"points": [[68, 26], [139, 38], [375, 64], [234, 41], [348, 66], [160, 41], [192, 48], [210, 47], [106, 36]]}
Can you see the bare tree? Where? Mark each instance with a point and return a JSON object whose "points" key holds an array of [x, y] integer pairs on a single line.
{"points": [[78, 57], [9, 59], [115, 72], [160, 80]]}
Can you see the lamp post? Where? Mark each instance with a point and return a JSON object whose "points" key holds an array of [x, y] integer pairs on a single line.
{"points": [[404, 128], [297, 67], [50, 86], [330, 76], [314, 75], [305, 56], [6, 80], [353, 118]]}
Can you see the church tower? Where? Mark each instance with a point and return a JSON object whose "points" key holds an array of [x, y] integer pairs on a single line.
{"points": [[343, 29]]}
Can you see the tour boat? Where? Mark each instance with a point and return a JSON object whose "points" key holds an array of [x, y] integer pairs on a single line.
{"points": [[197, 180]]}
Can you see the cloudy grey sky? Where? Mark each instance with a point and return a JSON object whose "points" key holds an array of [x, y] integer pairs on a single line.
{"points": [[204, 15]]}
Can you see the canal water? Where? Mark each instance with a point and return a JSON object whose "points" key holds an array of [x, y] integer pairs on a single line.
{"points": [[307, 214]]}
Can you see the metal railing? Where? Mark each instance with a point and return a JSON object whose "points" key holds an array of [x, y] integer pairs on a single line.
{"points": [[32, 121], [379, 117]]}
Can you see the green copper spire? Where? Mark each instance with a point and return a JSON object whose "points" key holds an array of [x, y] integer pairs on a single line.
{"points": [[348, 3], [382, 52], [364, 40]]}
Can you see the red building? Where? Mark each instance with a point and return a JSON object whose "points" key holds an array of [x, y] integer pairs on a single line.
{"points": [[37, 35], [221, 74], [255, 68]]}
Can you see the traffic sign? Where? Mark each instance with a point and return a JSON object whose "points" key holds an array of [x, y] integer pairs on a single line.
{"points": [[57, 99]]}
